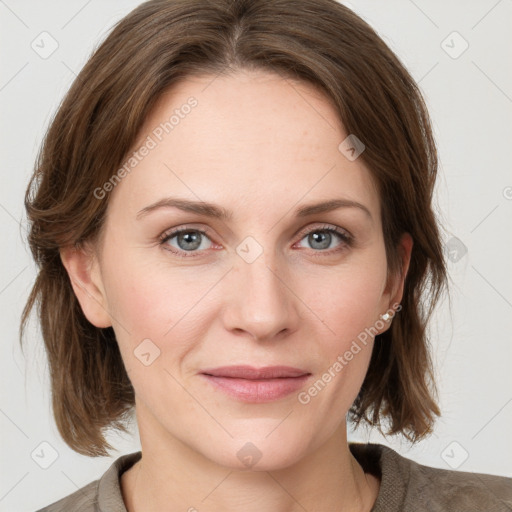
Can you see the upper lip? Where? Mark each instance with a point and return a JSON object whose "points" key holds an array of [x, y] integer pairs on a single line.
{"points": [[251, 373]]}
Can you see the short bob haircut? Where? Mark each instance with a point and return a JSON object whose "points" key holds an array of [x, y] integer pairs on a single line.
{"points": [[96, 125]]}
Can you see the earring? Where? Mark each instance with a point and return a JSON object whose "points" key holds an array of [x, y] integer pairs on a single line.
{"points": [[386, 317]]}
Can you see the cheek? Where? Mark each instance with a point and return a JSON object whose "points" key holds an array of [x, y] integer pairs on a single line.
{"points": [[149, 309], [349, 300], [142, 294], [156, 301], [140, 300], [349, 308], [348, 304]]}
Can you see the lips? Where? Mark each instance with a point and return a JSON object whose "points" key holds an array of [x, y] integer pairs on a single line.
{"points": [[256, 385], [251, 373]]}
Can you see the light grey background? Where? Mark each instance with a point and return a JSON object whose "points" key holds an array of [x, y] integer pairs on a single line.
{"points": [[470, 101]]}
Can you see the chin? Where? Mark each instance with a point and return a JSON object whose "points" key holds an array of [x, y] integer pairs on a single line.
{"points": [[258, 453]]}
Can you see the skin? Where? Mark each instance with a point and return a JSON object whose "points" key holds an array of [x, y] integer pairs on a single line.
{"points": [[261, 146]]}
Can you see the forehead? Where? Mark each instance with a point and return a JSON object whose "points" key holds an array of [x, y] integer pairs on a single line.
{"points": [[244, 139]]}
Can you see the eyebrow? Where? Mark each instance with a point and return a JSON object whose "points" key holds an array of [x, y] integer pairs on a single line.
{"points": [[218, 212]]}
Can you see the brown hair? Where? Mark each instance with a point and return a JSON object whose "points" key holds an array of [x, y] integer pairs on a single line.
{"points": [[153, 47]]}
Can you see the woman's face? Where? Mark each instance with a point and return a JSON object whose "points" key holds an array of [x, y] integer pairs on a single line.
{"points": [[265, 286]]}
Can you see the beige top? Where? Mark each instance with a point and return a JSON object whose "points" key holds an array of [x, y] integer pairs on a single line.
{"points": [[405, 486]]}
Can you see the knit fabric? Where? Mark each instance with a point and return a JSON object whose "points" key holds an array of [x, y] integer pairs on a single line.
{"points": [[406, 486]]}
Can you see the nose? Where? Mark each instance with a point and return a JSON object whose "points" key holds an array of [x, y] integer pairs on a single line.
{"points": [[260, 300]]}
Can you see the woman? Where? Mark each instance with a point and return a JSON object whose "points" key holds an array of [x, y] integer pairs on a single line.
{"points": [[232, 217]]}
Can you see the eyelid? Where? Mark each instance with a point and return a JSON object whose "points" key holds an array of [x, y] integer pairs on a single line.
{"points": [[340, 231], [346, 237], [171, 233], [206, 230], [185, 227]]}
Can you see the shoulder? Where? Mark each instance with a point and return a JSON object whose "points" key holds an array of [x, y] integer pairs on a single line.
{"points": [[443, 489], [434, 489], [84, 499], [102, 495], [408, 485]]}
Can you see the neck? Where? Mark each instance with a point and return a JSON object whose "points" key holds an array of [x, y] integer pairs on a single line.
{"points": [[171, 476]]}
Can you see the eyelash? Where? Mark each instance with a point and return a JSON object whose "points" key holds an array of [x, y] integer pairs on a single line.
{"points": [[343, 235]]}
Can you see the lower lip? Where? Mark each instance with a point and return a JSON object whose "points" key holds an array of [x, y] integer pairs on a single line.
{"points": [[257, 391]]}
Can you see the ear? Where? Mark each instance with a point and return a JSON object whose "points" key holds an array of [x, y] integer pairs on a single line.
{"points": [[397, 282], [82, 267], [395, 285]]}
